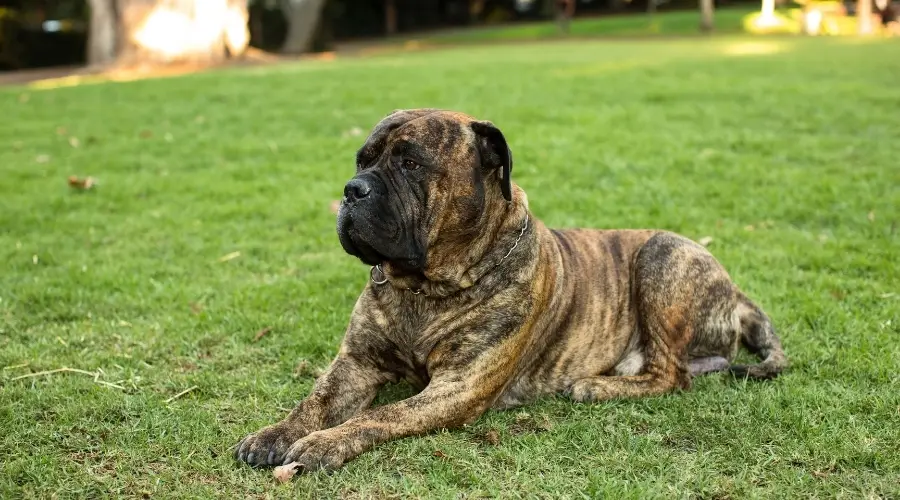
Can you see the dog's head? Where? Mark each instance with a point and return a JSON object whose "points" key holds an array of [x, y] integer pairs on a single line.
{"points": [[426, 181]]}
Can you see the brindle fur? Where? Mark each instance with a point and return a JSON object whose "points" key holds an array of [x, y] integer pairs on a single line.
{"points": [[595, 314]]}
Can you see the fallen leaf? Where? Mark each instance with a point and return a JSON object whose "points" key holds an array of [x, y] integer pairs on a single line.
{"points": [[260, 334], [706, 153], [705, 241], [232, 255], [284, 473], [492, 436], [34, 259], [871, 216], [546, 424], [146, 134], [353, 132], [42, 158], [302, 368], [74, 142], [749, 227], [335, 206], [83, 184], [837, 294], [439, 454], [196, 308]]}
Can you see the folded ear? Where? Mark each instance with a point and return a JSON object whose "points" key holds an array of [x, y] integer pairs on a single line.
{"points": [[495, 153]]}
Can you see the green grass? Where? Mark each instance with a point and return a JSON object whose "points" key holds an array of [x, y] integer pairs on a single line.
{"points": [[699, 137], [671, 23]]}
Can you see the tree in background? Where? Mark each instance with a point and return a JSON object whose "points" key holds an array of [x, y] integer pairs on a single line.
{"points": [[707, 9], [565, 10], [303, 18], [864, 17]]}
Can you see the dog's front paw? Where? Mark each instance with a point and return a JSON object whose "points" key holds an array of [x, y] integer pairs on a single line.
{"points": [[327, 449], [268, 445]]}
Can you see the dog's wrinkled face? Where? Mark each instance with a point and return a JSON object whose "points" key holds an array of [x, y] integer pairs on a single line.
{"points": [[423, 177]]}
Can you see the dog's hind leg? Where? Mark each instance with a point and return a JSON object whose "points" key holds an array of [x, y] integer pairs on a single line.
{"points": [[685, 304], [759, 337]]}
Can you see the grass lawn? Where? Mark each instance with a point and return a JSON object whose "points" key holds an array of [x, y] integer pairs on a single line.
{"points": [[784, 152], [669, 23]]}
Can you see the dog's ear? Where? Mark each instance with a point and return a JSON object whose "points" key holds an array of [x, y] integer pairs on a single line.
{"points": [[495, 153]]}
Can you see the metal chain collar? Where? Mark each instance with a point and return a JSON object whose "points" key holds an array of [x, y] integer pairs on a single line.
{"points": [[418, 291]]}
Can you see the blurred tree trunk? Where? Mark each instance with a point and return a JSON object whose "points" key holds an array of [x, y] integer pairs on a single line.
{"points": [[101, 45], [651, 7], [129, 32], [390, 17], [303, 17], [706, 15], [565, 9], [864, 17]]}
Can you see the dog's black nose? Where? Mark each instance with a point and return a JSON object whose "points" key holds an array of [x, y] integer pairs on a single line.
{"points": [[356, 189]]}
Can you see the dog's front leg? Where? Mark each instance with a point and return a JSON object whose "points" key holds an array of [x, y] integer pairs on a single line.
{"points": [[348, 386], [444, 403]]}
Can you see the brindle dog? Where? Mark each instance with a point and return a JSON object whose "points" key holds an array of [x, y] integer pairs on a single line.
{"points": [[479, 305]]}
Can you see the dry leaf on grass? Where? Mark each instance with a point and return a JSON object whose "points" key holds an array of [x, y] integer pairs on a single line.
{"points": [[83, 184], [260, 334], [232, 255], [284, 473], [303, 369], [353, 132], [439, 454], [492, 436], [705, 241], [871, 216]]}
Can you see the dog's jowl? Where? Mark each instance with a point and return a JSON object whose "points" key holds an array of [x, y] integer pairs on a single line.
{"points": [[479, 305]]}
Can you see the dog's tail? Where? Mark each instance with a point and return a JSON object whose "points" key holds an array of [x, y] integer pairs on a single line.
{"points": [[759, 337]]}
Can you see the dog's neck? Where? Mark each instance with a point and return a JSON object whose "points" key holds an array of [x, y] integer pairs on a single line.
{"points": [[498, 243]]}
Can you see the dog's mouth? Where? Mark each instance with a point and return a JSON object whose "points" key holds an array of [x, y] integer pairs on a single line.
{"points": [[361, 239], [356, 244]]}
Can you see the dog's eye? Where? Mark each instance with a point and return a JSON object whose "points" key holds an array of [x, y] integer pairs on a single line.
{"points": [[410, 165]]}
